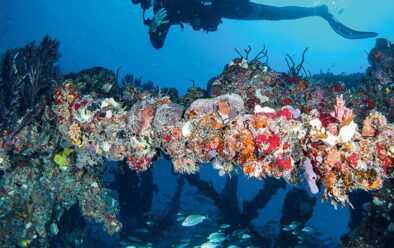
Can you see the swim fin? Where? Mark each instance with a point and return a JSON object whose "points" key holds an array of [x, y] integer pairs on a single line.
{"points": [[347, 32]]}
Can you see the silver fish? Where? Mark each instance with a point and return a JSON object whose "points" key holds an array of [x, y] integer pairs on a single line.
{"points": [[296, 232], [308, 229], [246, 236], [180, 218], [134, 239], [181, 245], [142, 230], [224, 226], [150, 223], [214, 235], [209, 245], [217, 240], [293, 225], [194, 219]]}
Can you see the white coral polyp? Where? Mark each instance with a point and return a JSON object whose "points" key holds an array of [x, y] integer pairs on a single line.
{"points": [[316, 123], [109, 102], [266, 110], [331, 139], [186, 129], [106, 146], [346, 133]]}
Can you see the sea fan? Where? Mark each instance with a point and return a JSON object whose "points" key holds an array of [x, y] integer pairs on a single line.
{"points": [[26, 74]]}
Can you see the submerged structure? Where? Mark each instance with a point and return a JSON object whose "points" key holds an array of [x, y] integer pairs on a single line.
{"points": [[58, 132]]}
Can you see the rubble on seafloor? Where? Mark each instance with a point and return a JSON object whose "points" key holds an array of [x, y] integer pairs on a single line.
{"points": [[268, 124]]}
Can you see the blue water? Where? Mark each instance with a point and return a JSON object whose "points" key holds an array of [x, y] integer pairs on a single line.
{"points": [[110, 33]]}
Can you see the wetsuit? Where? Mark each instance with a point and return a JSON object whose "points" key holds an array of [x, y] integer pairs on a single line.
{"points": [[207, 15]]}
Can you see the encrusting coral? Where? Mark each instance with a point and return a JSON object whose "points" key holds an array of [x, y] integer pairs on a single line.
{"points": [[265, 123]]}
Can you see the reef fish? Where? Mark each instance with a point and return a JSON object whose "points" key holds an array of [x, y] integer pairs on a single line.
{"points": [[246, 236], [214, 235], [308, 229], [181, 245], [210, 245], [194, 219], [180, 218], [224, 226], [293, 225]]}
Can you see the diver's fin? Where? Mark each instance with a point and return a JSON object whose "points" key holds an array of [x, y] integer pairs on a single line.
{"points": [[347, 32]]}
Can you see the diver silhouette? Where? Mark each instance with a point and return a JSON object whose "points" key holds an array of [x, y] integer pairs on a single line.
{"points": [[208, 14]]}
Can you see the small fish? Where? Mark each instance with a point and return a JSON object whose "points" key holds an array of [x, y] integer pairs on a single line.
{"points": [[246, 236], [181, 245], [293, 225], [308, 229], [296, 232], [217, 240], [194, 219], [224, 226], [340, 11], [134, 239], [180, 218], [233, 246], [150, 223], [142, 230], [180, 213], [209, 245], [214, 235], [288, 228]]}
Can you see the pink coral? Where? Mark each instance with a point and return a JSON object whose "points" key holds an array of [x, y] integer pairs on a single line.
{"points": [[310, 176], [341, 113]]}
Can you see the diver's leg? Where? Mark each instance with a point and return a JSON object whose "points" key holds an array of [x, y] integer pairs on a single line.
{"points": [[246, 10], [345, 31]]}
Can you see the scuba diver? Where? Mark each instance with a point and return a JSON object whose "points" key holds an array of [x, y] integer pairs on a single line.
{"points": [[208, 14]]}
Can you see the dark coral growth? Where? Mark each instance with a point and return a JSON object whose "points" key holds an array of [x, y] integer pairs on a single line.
{"points": [[27, 76], [351, 80], [99, 80], [358, 199], [378, 84], [377, 226]]}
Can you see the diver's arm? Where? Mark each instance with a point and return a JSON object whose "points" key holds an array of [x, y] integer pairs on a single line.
{"points": [[158, 19], [158, 38], [158, 28], [246, 10]]}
